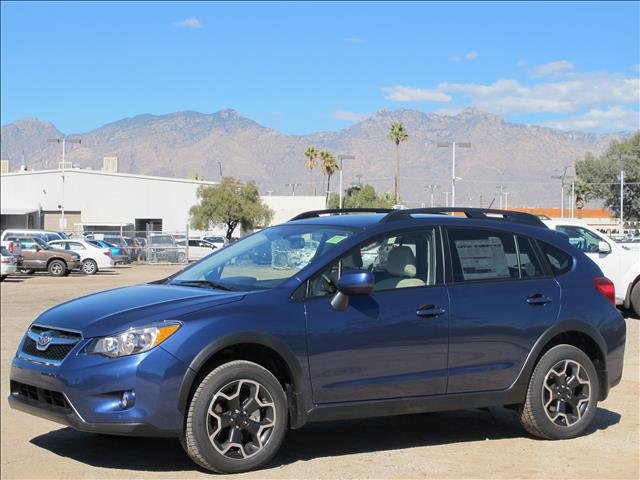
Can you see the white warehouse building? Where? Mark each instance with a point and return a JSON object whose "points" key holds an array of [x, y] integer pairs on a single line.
{"points": [[112, 202]]}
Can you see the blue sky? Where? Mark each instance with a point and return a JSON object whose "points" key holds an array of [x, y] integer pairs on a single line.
{"points": [[304, 67]]}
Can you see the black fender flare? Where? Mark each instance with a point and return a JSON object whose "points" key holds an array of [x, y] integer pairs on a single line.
{"points": [[258, 338], [564, 326]]}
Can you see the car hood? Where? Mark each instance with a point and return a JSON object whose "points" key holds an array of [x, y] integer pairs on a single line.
{"points": [[116, 310]]}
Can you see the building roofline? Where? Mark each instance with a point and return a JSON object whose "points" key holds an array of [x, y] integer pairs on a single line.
{"points": [[112, 174]]}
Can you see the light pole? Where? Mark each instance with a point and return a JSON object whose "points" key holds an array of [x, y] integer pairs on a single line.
{"points": [[293, 187], [432, 188], [341, 158], [500, 188], [453, 165], [446, 198], [220, 169], [622, 158], [63, 165], [562, 179]]}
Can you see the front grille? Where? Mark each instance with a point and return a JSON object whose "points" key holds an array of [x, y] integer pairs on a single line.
{"points": [[54, 352], [62, 342], [40, 395]]}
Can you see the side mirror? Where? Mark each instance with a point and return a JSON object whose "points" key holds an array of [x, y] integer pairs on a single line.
{"points": [[604, 247], [353, 282]]}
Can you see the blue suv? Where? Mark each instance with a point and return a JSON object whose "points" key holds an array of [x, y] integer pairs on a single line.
{"points": [[383, 312]]}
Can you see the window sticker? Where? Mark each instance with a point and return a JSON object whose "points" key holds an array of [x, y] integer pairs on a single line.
{"points": [[336, 239], [482, 258]]}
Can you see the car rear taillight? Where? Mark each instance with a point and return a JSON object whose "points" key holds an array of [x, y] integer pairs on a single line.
{"points": [[606, 288], [107, 253]]}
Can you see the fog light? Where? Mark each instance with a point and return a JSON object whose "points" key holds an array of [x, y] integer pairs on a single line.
{"points": [[128, 399]]}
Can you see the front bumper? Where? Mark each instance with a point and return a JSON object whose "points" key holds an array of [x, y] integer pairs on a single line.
{"points": [[84, 392]]}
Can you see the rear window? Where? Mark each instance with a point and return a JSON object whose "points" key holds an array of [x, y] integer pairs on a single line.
{"points": [[482, 255], [559, 260]]}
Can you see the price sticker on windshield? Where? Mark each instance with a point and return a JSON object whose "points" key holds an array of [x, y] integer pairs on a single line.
{"points": [[336, 239]]}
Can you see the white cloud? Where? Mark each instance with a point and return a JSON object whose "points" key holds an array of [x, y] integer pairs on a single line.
{"points": [[400, 93], [612, 119], [471, 56], [636, 67], [349, 116], [552, 68], [521, 63], [188, 23], [355, 40]]}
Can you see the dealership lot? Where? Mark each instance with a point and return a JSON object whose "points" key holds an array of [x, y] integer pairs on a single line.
{"points": [[473, 443]]}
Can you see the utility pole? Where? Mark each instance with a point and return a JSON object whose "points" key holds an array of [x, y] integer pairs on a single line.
{"points": [[293, 187], [562, 179], [446, 198], [500, 188], [453, 165], [359, 177], [432, 189], [622, 159], [506, 198], [341, 158], [63, 141]]}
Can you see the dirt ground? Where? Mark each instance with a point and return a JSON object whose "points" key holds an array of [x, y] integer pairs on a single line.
{"points": [[462, 444]]}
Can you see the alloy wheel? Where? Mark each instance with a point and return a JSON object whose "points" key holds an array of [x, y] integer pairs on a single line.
{"points": [[241, 418], [566, 393]]}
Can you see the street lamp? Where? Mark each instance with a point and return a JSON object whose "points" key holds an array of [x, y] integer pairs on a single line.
{"points": [[621, 159], [446, 198], [432, 188], [220, 168], [562, 179], [293, 187], [63, 165], [453, 165], [341, 158]]}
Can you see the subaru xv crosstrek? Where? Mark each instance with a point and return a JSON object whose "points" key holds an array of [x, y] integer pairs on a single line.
{"points": [[355, 315]]}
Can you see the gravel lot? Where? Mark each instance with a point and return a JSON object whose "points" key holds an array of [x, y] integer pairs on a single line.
{"points": [[473, 443]]}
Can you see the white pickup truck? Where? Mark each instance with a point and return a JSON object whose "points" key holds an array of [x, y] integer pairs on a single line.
{"points": [[619, 263]]}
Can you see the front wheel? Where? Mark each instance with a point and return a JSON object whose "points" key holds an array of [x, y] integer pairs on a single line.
{"points": [[563, 393], [237, 418], [57, 268], [635, 299]]}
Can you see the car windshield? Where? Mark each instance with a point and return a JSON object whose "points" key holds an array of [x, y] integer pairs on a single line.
{"points": [[264, 260]]}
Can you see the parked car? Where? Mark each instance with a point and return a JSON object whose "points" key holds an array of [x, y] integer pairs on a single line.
{"points": [[227, 354], [46, 235], [93, 258], [163, 248], [121, 242], [118, 254], [14, 249], [8, 263], [620, 264], [38, 255], [217, 240], [199, 248]]}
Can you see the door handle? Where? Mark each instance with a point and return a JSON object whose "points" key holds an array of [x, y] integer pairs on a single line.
{"points": [[538, 299], [429, 311]]}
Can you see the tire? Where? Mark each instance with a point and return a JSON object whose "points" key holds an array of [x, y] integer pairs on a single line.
{"points": [[2, 277], [537, 419], [635, 298], [89, 267], [57, 268], [235, 380], [181, 257], [27, 271]]}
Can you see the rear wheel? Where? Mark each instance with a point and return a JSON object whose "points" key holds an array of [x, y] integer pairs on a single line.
{"points": [[635, 298], [237, 418], [89, 266], [563, 394], [57, 268]]}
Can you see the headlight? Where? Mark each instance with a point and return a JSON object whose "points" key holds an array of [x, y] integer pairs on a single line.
{"points": [[134, 340]]}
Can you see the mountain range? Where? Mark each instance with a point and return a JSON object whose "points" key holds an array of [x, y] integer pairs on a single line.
{"points": [[522, 158]]}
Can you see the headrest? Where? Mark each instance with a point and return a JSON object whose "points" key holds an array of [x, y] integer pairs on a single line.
{"points": [[353, 260], [401, 262]]}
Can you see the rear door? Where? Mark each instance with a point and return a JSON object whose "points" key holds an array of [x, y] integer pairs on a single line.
{"points": [[502, 298], [392, 343]]}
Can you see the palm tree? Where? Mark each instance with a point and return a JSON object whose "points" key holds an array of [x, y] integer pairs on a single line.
{"points": [[312, 162], [329, 166], [397, 134]]}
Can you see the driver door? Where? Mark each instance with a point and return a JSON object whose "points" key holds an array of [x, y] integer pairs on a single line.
{"points": [[392, 343]]}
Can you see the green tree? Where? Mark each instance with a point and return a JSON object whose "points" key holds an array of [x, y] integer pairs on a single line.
{"points": [[362, 196], [231, 203], [312, 162], [599, 177], [328, 166], [397, 134]]}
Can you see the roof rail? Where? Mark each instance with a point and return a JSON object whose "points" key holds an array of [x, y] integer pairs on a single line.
{"points": [[475, 213], [339, 211]]}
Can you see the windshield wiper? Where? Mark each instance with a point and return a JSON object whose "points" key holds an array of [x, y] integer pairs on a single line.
{"points": [[202, 283]]}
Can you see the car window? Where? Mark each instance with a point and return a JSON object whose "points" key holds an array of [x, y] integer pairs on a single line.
{"points": [[530, 265], [478, 254], [581, 238], [51, 236], [75, 246], [559, 260], [25, 243], [400, 260]]}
